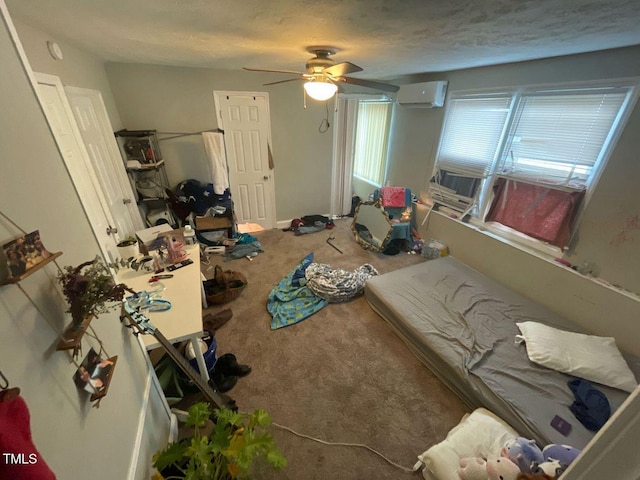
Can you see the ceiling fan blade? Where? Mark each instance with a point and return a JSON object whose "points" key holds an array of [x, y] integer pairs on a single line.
{"points": [[341, 69], [283, 81], [293, 72], [385, 87]]}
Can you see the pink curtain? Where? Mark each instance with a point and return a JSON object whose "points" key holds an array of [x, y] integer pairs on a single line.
{"points": [[538, 211]]}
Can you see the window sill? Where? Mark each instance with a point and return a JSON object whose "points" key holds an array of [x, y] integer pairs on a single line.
{"points": [[517, 239], [366, 180], [548, 255]]}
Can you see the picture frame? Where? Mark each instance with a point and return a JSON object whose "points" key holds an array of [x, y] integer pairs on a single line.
{"points": [[94, 374], [24, 253]]}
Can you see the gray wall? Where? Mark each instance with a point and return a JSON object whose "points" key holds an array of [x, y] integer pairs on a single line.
{"points": [[36, 192], [615, 201], [78, 68], [174, 99]]}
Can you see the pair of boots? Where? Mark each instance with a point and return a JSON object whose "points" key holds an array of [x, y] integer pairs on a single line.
{"points": [[226, 372]]}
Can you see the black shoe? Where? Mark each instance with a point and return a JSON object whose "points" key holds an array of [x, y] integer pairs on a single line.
{"points": [[241, 370], [222, 383], [227, 364]]}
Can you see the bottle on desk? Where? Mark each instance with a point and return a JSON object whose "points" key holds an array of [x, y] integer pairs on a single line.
{"points": [[189, 235]]}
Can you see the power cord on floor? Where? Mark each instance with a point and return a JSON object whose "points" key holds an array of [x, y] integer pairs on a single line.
{"points": [[359, 445]]}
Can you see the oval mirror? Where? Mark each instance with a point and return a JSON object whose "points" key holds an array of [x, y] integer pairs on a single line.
{"points": [[371, 226]]}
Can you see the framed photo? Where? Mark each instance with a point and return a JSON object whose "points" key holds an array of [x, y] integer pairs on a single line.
{"points": [[24, 253], [94, 374]]}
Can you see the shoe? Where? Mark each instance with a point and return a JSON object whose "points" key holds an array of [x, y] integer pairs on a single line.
{"points": [[227, 364], [223, 384], [240, 370], [213, 321], [221, 380]]}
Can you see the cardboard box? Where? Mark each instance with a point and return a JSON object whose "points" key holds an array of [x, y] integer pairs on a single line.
{"points": [[148, 235], [212, 223]]}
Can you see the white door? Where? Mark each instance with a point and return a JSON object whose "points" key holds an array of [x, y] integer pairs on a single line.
{"points": [[58, 113], [244, 117], [94, 125]]}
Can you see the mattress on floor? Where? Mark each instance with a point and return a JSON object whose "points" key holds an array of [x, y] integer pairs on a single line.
{"points": [[462, 325]]}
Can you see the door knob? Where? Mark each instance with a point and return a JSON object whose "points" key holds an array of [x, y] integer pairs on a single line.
{"points": [[126, 201], [266, 177], [111, 230]]}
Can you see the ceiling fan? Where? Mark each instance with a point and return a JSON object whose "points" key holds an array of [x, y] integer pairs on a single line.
{"points": [[323, 75]]}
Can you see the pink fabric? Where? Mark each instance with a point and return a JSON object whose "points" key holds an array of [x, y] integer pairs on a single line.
{"points": [[393, 196], [25, 462], [537, 211]]}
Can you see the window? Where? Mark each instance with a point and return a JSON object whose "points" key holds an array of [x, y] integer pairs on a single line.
{"points": [[527, 158], [372, 134]]}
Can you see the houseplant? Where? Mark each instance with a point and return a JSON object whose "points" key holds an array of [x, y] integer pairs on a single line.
{"points": [[237, 439], [90, 290]]}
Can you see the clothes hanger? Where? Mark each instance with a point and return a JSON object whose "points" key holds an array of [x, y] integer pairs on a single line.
{"points": [[7, 394]]}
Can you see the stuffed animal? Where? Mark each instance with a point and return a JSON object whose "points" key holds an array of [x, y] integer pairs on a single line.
{"points": [[473, 468], [556, 459], [524, 453], [501, 468], [534, 476], [564, 454], [551, 468], [495, 468]]}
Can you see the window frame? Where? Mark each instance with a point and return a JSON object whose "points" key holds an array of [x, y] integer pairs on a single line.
{"points": [[483, 195]]}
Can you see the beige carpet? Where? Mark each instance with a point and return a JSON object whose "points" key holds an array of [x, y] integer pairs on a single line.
{"points": [[341, 375]]}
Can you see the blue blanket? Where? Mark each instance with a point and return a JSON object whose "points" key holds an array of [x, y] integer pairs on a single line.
{"points": [[291, 301]]}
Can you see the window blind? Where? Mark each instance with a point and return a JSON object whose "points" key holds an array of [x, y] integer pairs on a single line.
{"points": [[371, 140], [558, 138], [472, 133]]}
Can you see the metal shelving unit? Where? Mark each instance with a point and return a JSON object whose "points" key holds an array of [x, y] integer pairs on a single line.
{"points": [[146, 170]]}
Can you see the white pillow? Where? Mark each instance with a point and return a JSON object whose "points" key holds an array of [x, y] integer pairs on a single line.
{"points": [[596, 359], [479, 434]]}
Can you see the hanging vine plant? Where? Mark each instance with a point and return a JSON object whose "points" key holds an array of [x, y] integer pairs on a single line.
{"points": [[90, 290]]}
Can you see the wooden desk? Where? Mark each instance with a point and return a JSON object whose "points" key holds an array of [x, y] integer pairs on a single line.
{"points": [[183, 321]]}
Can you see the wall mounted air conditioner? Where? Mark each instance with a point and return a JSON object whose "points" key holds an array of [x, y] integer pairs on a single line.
{"points": [[423, 95]]}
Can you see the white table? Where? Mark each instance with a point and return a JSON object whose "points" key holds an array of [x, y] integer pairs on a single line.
{"points": [[183, 321]]}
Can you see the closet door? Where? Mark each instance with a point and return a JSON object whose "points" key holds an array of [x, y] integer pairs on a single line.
{"points": [[63, 127], [93, 122]]}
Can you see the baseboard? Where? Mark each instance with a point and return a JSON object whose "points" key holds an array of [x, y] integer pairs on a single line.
{"points": [[137, 448]]}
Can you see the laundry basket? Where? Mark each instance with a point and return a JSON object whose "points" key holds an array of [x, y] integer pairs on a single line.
{"points": [[225, 286]]}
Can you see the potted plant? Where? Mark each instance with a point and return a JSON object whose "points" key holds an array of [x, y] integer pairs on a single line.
{"points": [[236, 440], [90, 290], [128, 248]]}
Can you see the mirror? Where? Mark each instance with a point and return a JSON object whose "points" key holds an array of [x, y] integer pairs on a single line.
{"points": [[371, 226]]}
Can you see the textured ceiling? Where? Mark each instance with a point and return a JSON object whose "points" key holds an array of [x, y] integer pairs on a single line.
{"points": [[388, 38]]}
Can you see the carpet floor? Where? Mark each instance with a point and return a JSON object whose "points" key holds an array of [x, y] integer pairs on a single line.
{"points": [[341, 375]]}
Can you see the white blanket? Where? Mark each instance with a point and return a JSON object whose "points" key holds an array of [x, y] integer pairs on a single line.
{"points": [[214, 146]]}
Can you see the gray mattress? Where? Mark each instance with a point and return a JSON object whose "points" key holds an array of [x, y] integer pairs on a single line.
{"points": [[462, 325]]}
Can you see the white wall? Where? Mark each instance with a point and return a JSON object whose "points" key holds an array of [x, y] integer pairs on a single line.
{"points": [[76, 440], [176, 99]]}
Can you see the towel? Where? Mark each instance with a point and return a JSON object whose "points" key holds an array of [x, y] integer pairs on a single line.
{"points": [[214, 146], [393, 196]]}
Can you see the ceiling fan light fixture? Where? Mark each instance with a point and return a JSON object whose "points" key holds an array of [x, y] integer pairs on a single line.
{"points": [[320, 91]]}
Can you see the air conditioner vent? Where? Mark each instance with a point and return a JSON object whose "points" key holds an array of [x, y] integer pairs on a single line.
{"points": [[423, 95]]}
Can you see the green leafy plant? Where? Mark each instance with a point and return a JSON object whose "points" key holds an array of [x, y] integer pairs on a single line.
{"points": [[127, 242], [90, 289], [236, 441]]}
